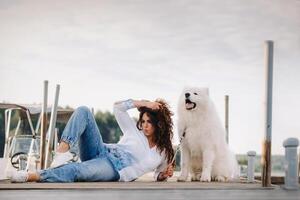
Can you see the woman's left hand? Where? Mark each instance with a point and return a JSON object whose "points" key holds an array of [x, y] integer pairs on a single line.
{"points": [[168, 172], [148, 104], [152, 105]]}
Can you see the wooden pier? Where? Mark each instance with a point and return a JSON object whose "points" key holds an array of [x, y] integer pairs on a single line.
{"points": [[144, 188], [136, 185]]}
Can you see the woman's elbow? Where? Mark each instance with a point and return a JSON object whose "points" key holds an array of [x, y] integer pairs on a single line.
{"points": [[118, 106]]}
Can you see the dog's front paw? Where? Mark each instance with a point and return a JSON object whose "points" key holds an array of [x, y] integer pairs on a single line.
{"points": [[196, 177], [220, 178], [205, 177], [182, 178]]}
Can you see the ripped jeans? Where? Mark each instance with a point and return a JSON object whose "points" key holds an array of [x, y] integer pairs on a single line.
{"points": [[100, 161]]}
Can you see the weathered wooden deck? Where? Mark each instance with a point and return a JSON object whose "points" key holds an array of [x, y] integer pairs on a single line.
{"points": [[137, 185], [143, 188], [145, 182], [149, 195]]}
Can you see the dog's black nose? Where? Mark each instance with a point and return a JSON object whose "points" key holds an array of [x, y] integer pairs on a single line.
{"points": [[187, 95]]}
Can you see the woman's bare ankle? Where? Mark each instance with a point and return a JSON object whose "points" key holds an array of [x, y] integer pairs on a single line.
{"points": [[33, 177], [63, 147]]}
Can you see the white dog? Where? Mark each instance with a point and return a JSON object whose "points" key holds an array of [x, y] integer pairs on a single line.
{"points": [[204, 151]]}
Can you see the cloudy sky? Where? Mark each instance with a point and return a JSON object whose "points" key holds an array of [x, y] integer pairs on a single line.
{"points": [[107, 50]]}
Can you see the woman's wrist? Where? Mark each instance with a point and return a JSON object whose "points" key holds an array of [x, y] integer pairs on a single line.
{"points": [[161, 177], [148, 104], [140, 103]]}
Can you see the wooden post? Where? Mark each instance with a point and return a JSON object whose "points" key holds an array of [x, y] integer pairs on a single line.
{"points": [[52, 128], [266, 154], [226, 117], [44, 126]]}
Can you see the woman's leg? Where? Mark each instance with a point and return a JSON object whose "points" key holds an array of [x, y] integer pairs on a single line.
{"points": [[98, 169], [82, 127]]}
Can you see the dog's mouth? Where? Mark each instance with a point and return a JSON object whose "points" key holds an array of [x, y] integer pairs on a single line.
{"points": [[189, 105]]}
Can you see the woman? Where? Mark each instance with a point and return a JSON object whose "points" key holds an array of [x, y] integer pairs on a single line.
{"points": [[144, 147]]}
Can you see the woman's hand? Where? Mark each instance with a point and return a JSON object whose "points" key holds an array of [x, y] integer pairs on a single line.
{"points": [[148, 104], [167, 173], [152, 105]]}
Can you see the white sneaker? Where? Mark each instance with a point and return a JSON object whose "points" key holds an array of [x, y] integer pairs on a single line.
{"points": [[62, 159], [19, 176]]}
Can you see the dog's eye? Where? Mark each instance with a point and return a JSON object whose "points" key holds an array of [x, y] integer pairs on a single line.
{"points": [[195, 93]]}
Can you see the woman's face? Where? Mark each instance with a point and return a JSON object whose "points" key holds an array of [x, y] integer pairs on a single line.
{"points": [[147, 127]]}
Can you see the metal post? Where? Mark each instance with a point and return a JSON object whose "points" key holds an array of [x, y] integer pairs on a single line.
{"points": [[291, 164], [226, 117], [52, 128], [5, 120], [56, 138], [266, 154], [22, 162], [251, 166], [44, 126], [38, 123], [5, 138], [18, 126], [30, 124], [33, 156], [7, 141]]}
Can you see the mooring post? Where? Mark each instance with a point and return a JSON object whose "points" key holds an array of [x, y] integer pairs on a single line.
{"points": [[43, 126], [291, 164], [266, 154], [299, 164], [251, 166], [52, 128]]}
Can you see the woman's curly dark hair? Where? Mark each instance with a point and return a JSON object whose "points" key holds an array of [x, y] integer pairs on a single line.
{"points": [[163, 127]]}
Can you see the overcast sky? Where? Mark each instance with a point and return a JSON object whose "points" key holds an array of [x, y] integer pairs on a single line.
{"points": [[104, 51]]}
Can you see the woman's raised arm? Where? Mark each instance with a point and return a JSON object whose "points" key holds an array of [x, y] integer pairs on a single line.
{"points": [[126, 123]]}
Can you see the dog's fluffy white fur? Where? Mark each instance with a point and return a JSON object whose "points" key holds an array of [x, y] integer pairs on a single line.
{"points": [[204, 151]]}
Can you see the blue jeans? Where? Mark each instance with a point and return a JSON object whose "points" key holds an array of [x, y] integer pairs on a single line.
{"points": [[100, 162]]}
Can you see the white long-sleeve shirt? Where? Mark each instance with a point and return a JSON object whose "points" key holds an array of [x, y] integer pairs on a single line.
{"points": [[133, 141]]}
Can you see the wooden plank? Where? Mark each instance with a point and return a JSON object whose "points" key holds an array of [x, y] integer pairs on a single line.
{"points": [[240, 185], [150, 194], [275, 179]]}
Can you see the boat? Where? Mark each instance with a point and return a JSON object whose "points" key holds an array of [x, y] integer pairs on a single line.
{"points": [[22, 135]]}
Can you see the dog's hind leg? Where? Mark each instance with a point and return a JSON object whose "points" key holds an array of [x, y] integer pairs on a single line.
{"points": [[223, 168]]}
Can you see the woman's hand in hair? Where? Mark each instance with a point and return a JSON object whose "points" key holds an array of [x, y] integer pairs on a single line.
{"points": [[153, 105], [147, 104]]}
